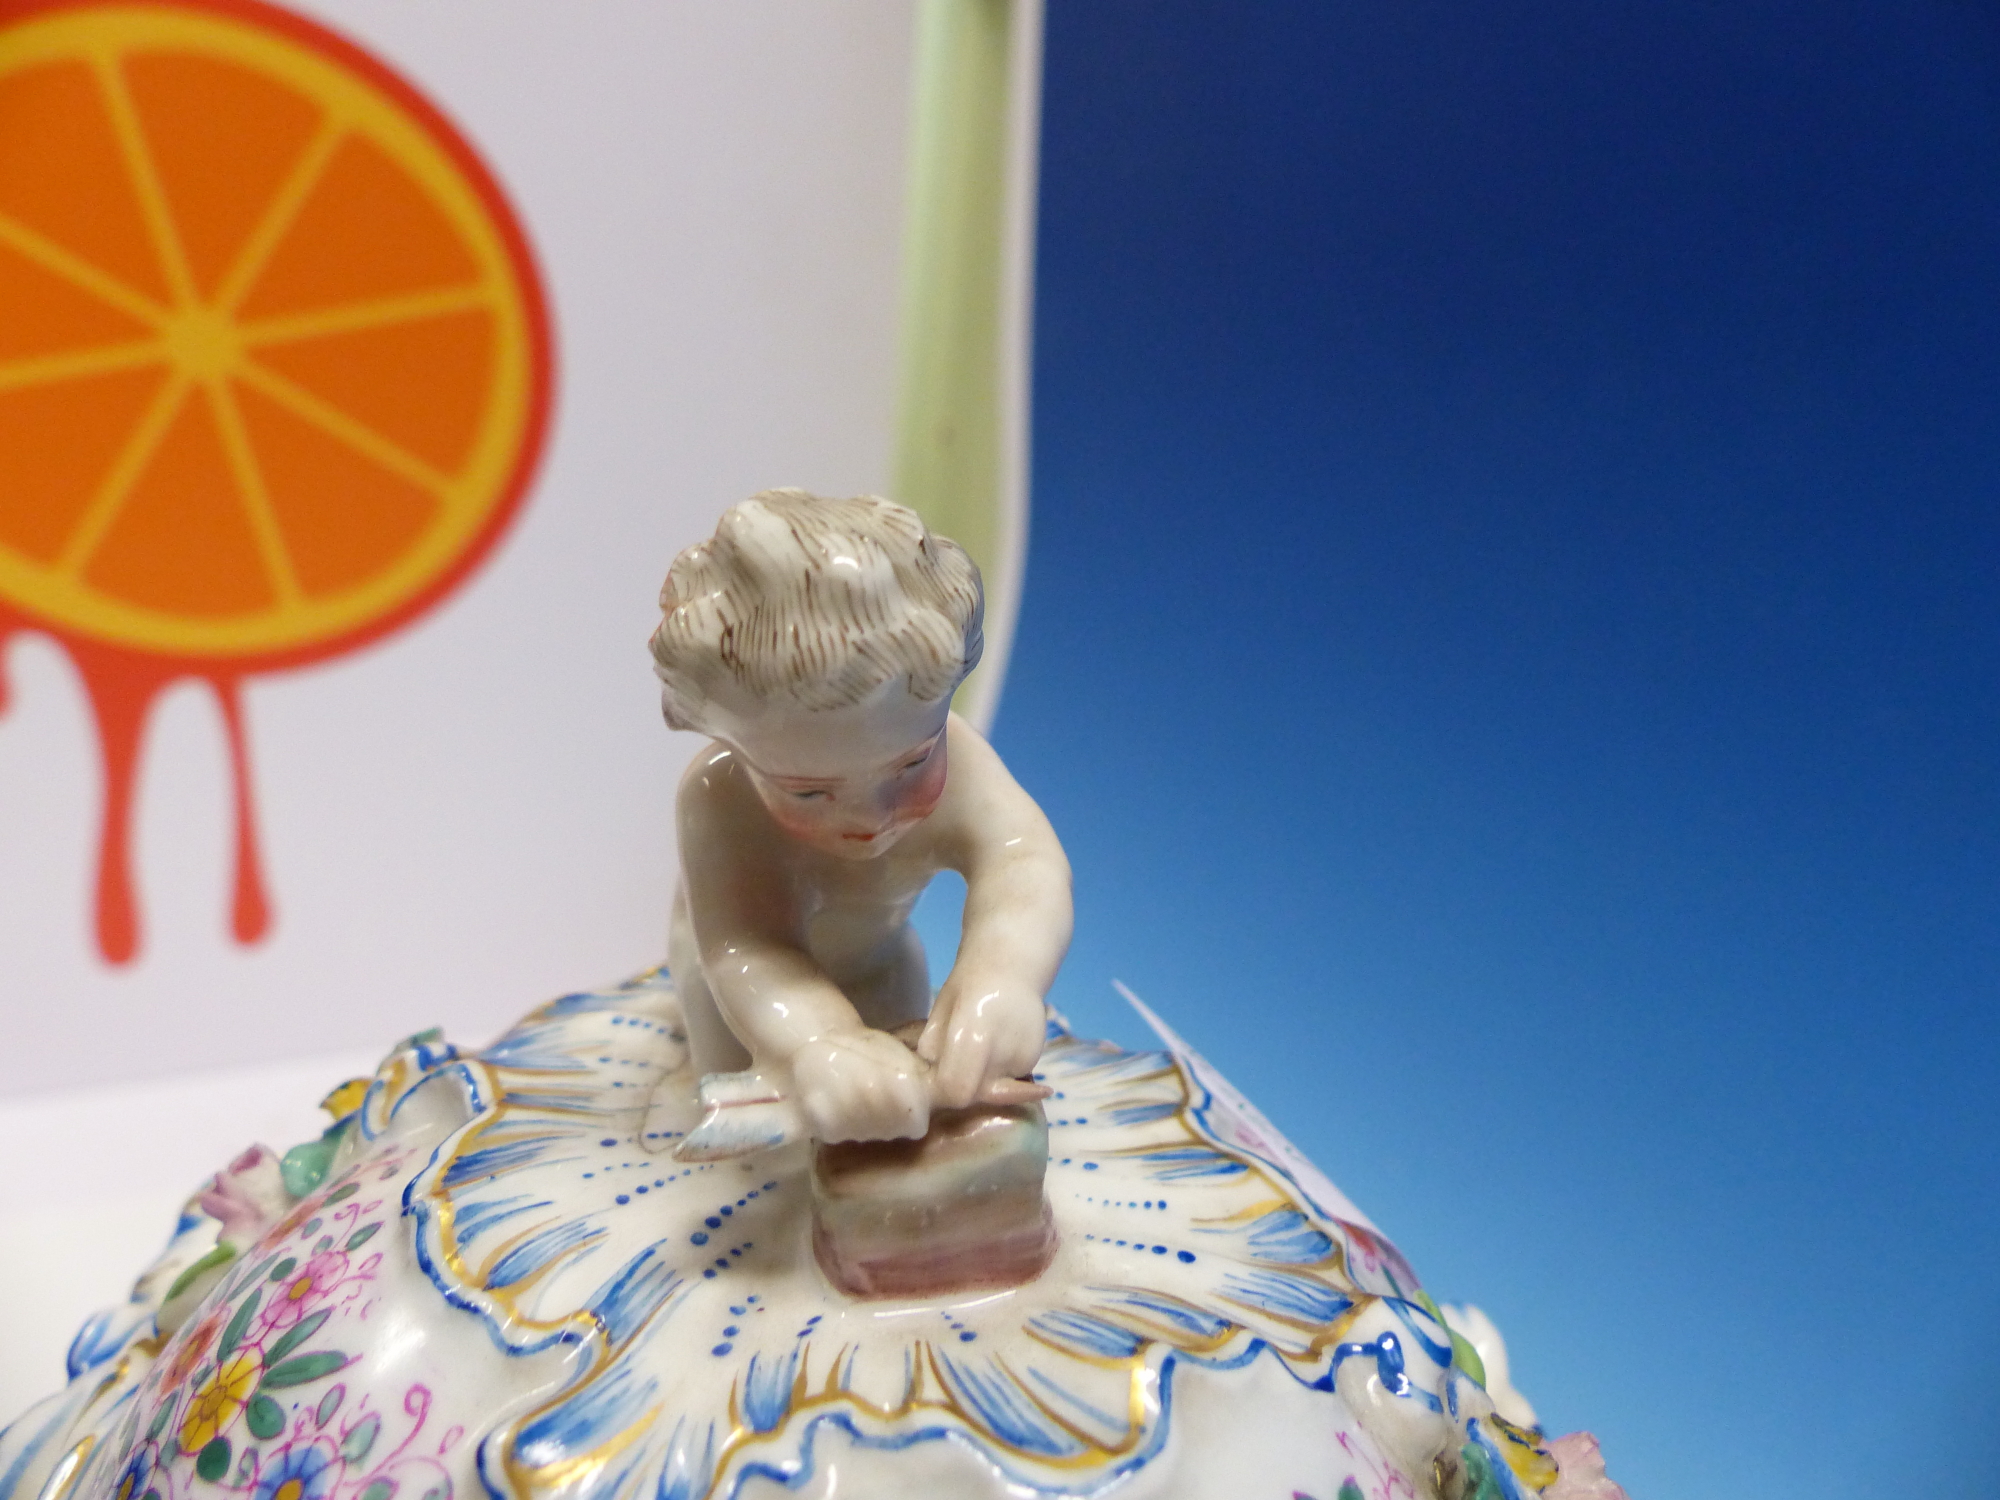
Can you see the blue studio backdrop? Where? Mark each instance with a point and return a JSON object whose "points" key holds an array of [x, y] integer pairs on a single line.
{"points": [[1510, 644]]}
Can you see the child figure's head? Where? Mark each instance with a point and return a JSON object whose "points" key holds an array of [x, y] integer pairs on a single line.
{"points": [[822, 640]]}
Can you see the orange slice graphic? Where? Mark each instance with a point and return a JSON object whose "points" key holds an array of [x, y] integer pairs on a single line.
{"points": [[274, 362]]}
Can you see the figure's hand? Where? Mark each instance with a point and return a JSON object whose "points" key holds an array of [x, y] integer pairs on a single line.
{"points": [[980, 1031], [860, 1084]]}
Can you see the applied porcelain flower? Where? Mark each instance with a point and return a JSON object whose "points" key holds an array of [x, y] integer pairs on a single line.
{"points": [[246, 1197]]}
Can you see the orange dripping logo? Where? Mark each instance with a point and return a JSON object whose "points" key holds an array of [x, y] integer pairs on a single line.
{"points": [[274, 366]]}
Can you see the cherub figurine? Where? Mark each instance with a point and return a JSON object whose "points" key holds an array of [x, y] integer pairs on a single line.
{"points": [[818, 643]]}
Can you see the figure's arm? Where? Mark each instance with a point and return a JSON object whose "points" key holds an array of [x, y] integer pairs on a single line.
{"points": [[989, 1018], [852, 1082]]}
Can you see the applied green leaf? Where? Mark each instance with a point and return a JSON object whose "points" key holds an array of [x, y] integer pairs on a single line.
{"points": [[221, 1255]]}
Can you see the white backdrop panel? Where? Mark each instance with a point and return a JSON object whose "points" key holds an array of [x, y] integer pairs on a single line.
{"points": [[475, 813]]}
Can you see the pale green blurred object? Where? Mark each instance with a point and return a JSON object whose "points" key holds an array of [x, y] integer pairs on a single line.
{"points": [[954, 404]]}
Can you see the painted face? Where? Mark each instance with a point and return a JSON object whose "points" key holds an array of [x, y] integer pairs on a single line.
{"points": [[853, 782]]}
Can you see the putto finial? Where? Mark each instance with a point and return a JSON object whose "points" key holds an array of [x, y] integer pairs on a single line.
{"points": [[818, 643]]}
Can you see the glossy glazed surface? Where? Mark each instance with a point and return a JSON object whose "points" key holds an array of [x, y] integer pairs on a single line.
{"points": [[504, 1283]]}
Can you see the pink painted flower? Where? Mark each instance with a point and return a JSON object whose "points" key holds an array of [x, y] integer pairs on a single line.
{"points": [[1581, 1467], [303, 1288]]}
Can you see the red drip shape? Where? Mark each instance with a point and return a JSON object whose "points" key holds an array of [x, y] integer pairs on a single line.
{"points": [[250, 906], [122, 685]]}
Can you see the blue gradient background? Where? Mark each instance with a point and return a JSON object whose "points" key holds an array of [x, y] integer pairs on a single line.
{"points": [[1510, 645]]}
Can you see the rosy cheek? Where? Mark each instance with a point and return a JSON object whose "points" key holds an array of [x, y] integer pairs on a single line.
{"points": [[922, 794]]}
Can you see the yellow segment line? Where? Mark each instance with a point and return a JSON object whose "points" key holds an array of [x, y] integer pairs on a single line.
{"points": [[353, 317], [145, 178], [279, 213], [255, 494], [117, 487], [105, 359], [80, 273], [338, 424]]}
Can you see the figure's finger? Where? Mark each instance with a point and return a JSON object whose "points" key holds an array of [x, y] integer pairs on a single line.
{"points": [[933, 1035], [961, 1071], [1004, 1090]]}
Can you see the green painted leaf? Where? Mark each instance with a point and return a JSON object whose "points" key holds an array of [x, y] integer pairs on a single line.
{"points": [[343, 1193], [233, 1334], [221, 1255], [252, 1277], [150, 1495], [363, 1235], [1349, 1490], [284, 1268], [266, 1418], [213, 1461], [329, 1404], [290, 1341], [306, 1367], [381, 1489], [361, 1439], [160, 1421]]}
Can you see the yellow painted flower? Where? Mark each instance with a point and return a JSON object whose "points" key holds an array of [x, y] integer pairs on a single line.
{"points": [[221, 1397]]}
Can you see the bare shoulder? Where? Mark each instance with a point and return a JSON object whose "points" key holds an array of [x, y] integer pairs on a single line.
{"points": [[712, 767], [977, 781], [968, 749], [715, 792], [983, 807]]}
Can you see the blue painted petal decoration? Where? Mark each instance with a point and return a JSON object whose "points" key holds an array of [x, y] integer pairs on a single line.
{"points": [[709, 1352]]}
